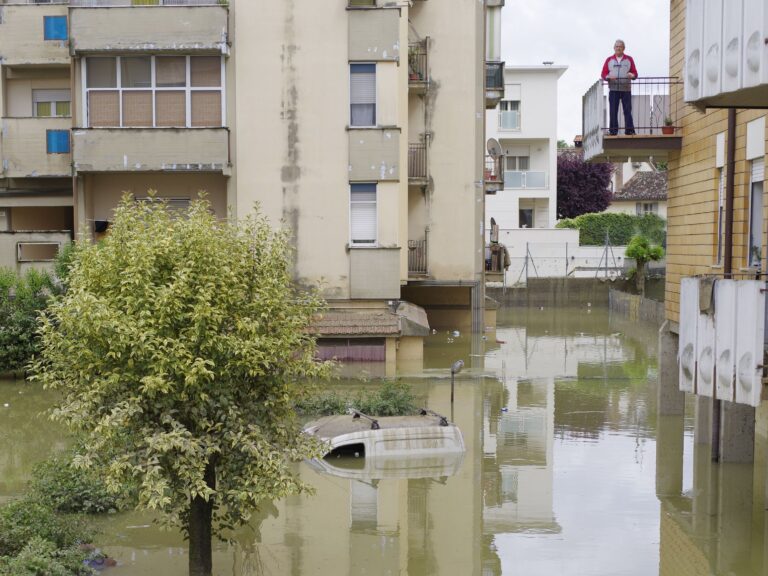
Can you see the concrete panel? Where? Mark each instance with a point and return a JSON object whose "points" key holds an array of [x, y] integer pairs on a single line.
{"points": [[374, 273], [374, 35], [374, 155], [21, 36], [155, 28], [9, 240], [24, 148], [151, 149]]}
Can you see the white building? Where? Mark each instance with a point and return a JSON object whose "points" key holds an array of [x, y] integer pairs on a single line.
{"points": [[525, 125]]}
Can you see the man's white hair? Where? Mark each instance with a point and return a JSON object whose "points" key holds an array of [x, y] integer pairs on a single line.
{"points": [[620, 41]]}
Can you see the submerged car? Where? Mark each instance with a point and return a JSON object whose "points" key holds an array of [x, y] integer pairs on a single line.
{"points": [[359, 435]]}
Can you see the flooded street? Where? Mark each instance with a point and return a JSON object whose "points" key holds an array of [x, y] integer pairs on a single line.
{"points": [[558, 412]]}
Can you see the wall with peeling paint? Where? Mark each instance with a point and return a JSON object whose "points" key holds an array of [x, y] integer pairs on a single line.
{"points": [[22, 40], [24, 152]]}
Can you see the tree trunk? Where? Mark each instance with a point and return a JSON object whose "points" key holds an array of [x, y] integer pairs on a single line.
{"points": [[200, 523], [640, 278]]}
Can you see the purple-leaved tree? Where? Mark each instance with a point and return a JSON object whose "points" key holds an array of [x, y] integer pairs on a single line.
{"points": [[582, 187]]}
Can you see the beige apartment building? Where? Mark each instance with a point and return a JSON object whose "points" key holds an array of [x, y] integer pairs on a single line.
{"points": [[359, 124]]}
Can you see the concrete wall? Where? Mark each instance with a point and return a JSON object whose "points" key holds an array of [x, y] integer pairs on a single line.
{"points": [[21, 36], [636, 307], [24, 151], [693, 183], [139, 28], [150, 149], [9, 240], [19, 88], [41, 218], [374, 155], [374, 273]]}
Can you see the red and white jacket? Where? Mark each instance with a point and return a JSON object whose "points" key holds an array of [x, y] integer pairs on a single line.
{"points": [[619, 72]]}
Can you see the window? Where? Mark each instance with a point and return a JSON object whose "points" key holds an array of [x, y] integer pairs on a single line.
{"points": [[5, 220], [517, 163], [754, 255], [54, 27], [643, 208], [526, 218], [362, 214], [362, 91], [51, 103], [155, 91], [720, 215], [509, 115], [57, 141]]}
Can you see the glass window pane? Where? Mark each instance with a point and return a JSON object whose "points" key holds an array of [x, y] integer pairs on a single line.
{"points": [[62, 109], [171, 71], [206, 108], [43, 109], [101, 72], [523, 162], [137, 108], [136, 72], [171, 108], [103, 109], [205, 71]]}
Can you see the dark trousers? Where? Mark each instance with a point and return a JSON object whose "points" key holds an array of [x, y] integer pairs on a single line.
{"points": [[625, 97]]}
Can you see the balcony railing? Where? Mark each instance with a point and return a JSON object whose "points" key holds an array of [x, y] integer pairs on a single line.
{"points": [[418, 65], [509, 120], [494, 76], [493, 176], [519, 179], [654, 115], [417, 256], [417, 161]]}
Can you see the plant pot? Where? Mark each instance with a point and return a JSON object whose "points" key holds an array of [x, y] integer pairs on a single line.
{"points": [[667, 129]]}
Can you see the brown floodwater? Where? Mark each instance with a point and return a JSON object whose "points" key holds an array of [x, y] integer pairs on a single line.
{"points": [[560, 476]]}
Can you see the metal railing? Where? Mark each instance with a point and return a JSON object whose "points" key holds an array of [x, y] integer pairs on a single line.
{"points": [[494, 75], [492, 174], [524, 179], [418, 70], [654, 110], [417, 160], [120, 3], [509, 120], [417, 255]]}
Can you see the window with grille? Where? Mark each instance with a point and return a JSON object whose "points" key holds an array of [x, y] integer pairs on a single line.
{"points": [[362, 88], [643, 208], [720, 215], [155, 91], [509, 115], [51, 103], [517, 163], [755, 255], [363, 227]]}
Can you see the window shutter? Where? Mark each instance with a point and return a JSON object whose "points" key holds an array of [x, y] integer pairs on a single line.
{"points": [[363, 83], [721, 189], [363, 213], [758, 170], [50, 96]]}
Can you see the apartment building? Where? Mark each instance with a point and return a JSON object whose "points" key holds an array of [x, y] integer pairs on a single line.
{"points": [[525, 126], [357, 123]]}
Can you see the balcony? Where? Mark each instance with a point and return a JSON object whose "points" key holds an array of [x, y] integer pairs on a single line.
{"points": [[654, 115], [151, 149], [493, 176], [509, 120], [25, 145], [418, 67], [524, 180], [726, 55], [494, 84], [418, 173], [23, 250], [160, 26], [417, 257], [23, 35]]}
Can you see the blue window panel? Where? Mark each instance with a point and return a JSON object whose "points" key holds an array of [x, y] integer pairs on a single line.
{"points": [[362, 68], [55, 27], [57, 141], [363, 186]]}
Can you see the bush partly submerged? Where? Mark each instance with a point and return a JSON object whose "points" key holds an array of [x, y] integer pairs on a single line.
{"points": [[392, 398]]}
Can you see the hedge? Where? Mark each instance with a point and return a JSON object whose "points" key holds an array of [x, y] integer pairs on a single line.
{"points": [[620, 227]]}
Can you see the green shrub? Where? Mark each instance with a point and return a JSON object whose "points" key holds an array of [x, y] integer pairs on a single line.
{"points": [[21, 299], [67, 489], [42, 557], [393, 398], [620, 228], [23, 520]]}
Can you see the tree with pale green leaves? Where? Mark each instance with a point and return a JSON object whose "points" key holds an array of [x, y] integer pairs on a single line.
{"points": [[179, 349], [641, 249]]}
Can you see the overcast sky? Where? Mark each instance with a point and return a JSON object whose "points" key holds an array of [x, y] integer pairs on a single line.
{"points": [[580, 35]]}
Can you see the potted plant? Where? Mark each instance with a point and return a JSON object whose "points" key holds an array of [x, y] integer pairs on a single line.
{"points": [[669, 126]]}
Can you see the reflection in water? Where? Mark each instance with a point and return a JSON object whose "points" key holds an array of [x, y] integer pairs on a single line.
{"points": [[558, 413]]}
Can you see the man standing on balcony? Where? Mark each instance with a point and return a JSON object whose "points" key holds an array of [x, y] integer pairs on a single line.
{"points": [[619, 70]]}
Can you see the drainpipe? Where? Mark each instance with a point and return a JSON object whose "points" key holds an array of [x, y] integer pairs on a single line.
{"points": [[728, 260]]}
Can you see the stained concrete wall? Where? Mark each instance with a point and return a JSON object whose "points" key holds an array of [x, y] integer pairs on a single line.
{"points": [[150, 149], [374, 273], [635, 307], [150, 28], [9, 240], [24, 148], [374, 35], [21, 36], [374, 155], [19, 88]]}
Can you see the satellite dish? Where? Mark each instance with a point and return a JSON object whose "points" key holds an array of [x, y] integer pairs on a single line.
{"points": [[494, 148]]}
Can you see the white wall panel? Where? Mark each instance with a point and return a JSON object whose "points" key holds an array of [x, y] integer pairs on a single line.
{"points": [[755, 63], [712, 41], [705, 355], [725, 338], [750, 335], [694, 27], [689, 314], [733, 44]]}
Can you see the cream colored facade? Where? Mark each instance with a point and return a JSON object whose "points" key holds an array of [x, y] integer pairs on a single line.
{"points": [[252, 103]]}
